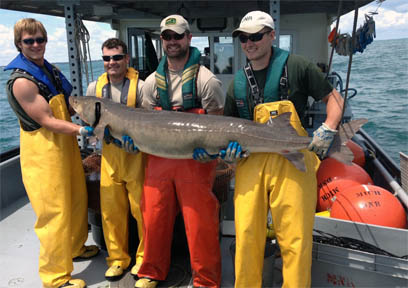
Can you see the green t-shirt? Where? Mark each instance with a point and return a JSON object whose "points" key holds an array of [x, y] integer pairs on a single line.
{"points": [[305, 79]]}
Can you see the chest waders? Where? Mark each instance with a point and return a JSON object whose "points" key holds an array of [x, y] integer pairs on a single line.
{"points": [[181, 185], [266, 181], [122, 176], [53, 178]]}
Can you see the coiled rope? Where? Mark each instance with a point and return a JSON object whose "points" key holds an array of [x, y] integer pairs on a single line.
{"points": [[82, 38]]}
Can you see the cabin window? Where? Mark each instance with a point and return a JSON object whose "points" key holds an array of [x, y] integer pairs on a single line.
{"points": [[202, 44], [285, 42], [217, 53], [223, 55], [142, 52]]}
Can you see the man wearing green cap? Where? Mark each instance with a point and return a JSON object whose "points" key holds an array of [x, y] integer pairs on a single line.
{"points": [[172, 185]]}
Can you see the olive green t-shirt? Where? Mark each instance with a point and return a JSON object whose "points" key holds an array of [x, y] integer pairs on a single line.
{"points": [[305, 79]]}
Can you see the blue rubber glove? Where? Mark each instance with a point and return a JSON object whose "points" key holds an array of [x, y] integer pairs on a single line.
{"points": [[233, 152], [128, 145], [201, 155], [110, 139], [86, 131], [322, 140]]}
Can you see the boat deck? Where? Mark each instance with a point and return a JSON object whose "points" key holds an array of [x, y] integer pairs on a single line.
{"points": [[19, 249]]}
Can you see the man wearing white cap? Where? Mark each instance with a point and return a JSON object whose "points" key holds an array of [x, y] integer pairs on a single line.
{"points": [[272, 83], [185, 185]]}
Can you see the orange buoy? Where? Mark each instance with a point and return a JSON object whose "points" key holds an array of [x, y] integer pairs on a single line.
{"points": [[358, 152], [328, 175], [369, 204], [326, 193], [330, 169]]}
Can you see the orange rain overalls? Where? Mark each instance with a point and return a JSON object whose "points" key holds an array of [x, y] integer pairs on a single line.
{"points": [[181, 184]]}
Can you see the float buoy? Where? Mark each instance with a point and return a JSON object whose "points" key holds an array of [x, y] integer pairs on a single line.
{"points": [[358, 152], [369, 204], [327, 193], [334, 177], [330, 169]]}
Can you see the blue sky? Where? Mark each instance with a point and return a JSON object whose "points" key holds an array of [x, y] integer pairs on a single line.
{"points": [[391, 23]]}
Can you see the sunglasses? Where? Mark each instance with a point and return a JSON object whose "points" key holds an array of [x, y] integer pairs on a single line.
{"points": [[116, 57], [30, 41], [175, 36], [253, 37]]}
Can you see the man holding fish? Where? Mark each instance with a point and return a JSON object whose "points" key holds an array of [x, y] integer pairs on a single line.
{"points": [[277, 83], [122, 166], [181, 84], [50, 160]]}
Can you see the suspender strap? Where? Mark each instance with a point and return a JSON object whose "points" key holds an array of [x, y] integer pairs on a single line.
{"points": [[253, 85], [284, 84]]}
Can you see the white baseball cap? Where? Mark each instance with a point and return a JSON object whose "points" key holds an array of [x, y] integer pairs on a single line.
{"points": [[174, 23], [254, 22]]}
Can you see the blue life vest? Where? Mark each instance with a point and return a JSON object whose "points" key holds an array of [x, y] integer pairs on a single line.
{"points": [[22, 63]]}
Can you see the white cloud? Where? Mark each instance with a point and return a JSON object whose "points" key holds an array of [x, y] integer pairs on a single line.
{"points": [[8, 50], [98, 34]]}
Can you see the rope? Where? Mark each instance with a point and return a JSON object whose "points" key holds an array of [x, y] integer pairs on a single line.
{"points": [[82, 38], [335, 37], [350, 61]]}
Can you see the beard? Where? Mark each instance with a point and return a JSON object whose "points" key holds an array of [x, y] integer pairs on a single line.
{"points": [[179, 54]]}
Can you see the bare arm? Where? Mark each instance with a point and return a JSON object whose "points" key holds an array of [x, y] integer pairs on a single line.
{"points": [[27, 95], [334, 107]]}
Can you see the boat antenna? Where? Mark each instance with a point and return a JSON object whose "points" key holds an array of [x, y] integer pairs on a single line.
{"points": [[353, 45], [335, 37]]}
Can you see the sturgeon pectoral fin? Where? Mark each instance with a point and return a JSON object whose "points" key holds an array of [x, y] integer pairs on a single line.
{"points": [[296, 159], [99, 131]]}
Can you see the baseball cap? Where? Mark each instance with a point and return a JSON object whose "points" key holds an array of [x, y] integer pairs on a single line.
{"points": [[174, 23], [254, 22]]}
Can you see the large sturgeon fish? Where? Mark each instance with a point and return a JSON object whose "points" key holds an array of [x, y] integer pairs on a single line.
{"points": [[175, 135]]}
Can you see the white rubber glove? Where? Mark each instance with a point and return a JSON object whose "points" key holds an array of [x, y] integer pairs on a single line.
{"points": [[322, 140]]}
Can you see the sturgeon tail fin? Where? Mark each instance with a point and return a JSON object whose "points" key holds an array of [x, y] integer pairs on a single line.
{"points": [[339, 149]]}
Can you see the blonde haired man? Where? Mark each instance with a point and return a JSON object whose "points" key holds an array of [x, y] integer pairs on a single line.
{"points": [[51, 164]]}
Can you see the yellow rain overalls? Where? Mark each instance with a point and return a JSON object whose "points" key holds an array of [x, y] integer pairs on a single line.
{"points": [[269, 181], [122, 176], [54, 179]]}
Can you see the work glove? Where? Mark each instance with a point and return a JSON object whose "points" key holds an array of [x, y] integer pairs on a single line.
{"points": [[322, 140], [201, 155], [86, 131], [128, 145], [233, 152], [110, 139]]}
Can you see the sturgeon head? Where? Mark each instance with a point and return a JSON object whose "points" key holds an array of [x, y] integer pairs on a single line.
{"points": [[89, 110]]}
